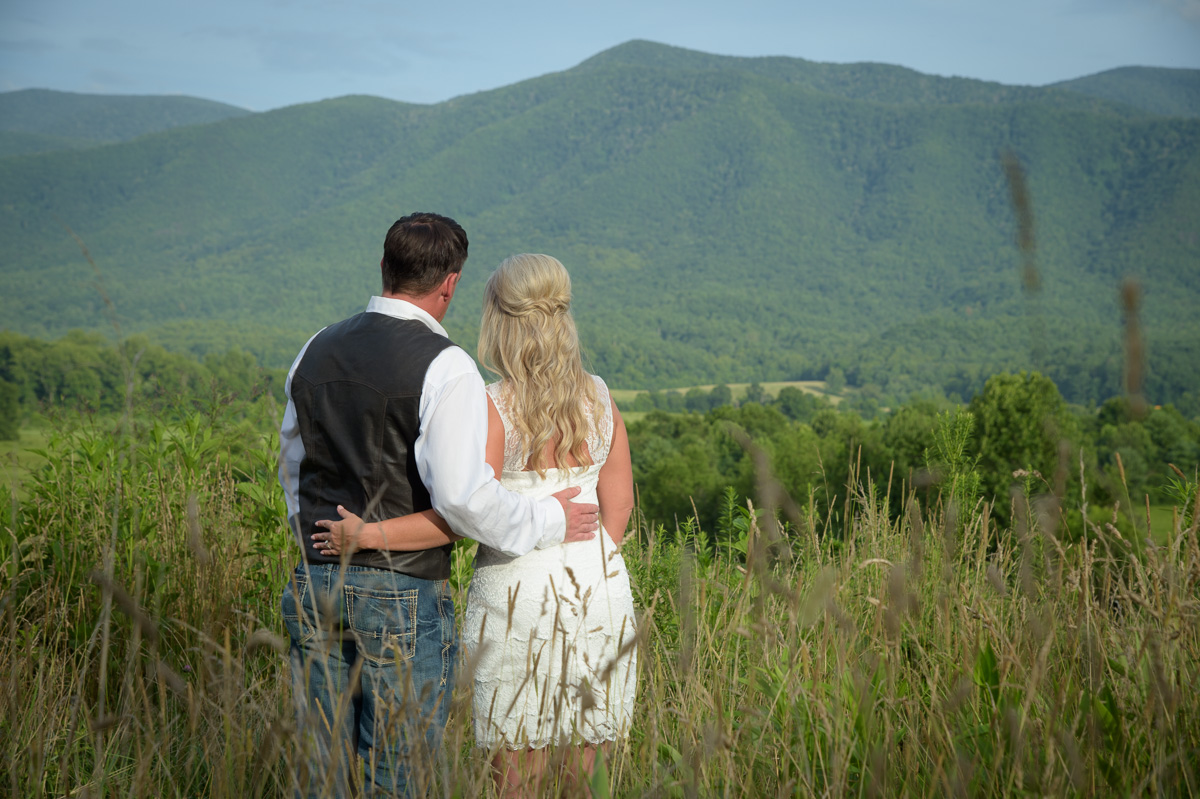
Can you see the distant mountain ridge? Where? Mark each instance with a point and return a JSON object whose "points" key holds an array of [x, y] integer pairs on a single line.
{"points": [[39, 120], [1172, 92], [1169, 92], [724, 220]]}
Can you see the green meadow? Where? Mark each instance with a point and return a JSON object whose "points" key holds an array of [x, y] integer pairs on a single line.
{"points": [[866, 633]]}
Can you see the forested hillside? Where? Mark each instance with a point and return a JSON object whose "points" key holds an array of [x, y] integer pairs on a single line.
{"points": [[724, 219], [1170, 92], [40, 120]]}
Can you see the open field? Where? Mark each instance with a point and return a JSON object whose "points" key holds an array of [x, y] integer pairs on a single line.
{"points": [[854, 652], [816, 387]]}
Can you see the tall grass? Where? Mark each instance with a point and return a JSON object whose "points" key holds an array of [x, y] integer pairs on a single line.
{"points": [[931, 654]]}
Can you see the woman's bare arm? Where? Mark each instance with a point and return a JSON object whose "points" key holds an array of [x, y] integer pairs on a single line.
{"points": [[416, 531], [424, 530], [494, 451], [615, 488]]}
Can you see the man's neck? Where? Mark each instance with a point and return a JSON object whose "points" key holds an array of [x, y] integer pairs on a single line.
{"points": [[430, 303]]}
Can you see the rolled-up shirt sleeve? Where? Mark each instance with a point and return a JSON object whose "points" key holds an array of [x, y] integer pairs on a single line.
{"points": [[450, 452]]}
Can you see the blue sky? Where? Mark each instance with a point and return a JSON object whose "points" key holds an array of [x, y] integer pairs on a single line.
{"points": [[263, 54]]}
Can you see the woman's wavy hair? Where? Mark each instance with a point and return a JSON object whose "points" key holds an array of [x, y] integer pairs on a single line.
{"points": [[527, 336]]}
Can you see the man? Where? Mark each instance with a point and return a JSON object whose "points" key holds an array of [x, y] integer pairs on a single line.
{"points": [[387, 417]]}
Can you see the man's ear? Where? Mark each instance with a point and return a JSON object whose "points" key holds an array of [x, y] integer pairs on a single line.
{"points": [[449, 285]]}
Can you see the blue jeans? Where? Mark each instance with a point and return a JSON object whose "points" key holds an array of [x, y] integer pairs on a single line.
{"points": [[373, 658]]}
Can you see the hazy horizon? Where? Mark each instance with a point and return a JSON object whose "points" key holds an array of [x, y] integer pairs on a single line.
{"points": [[265, 54]]}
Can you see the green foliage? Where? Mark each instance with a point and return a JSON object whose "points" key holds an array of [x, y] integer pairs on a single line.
{"points": [[908, 432], [131, 539], [799, 406], [278, 218], [754, 394], [1184, 493], [720, 395], [951, 456], [10, 411], [140, 574], [1021, 424], [1170, 92], [835, 381], [696, 399], [83, 372], [1133, 454], [687, 465], [14, 143]]}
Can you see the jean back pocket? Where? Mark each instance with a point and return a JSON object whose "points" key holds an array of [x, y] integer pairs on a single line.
{"points": [[384, 623]]}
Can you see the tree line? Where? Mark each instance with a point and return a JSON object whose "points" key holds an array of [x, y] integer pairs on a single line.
{"points": [[694, 449], [1017, 433], [87, 373]]}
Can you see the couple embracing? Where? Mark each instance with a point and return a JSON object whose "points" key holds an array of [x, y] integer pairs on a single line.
{"points": [[391, 449]]}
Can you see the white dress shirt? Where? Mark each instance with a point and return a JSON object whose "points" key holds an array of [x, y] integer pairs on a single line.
{"points": [[449, 450]]}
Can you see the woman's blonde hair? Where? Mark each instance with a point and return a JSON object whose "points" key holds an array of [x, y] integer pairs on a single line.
{"points": [[528, 338]]}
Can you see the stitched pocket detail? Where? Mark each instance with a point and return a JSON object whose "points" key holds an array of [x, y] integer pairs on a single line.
{"points": [[383, 622]]}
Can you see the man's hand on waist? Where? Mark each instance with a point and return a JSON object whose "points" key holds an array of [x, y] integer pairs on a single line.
{"points": [[583, 519]]}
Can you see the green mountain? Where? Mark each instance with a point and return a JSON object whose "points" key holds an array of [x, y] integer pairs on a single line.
{"points": [[1169, 92], [18, 143], [724, 220], [40, 120], [881, 83]]}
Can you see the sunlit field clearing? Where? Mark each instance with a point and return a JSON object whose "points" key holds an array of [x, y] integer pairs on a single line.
{"points": [[815, 387]]}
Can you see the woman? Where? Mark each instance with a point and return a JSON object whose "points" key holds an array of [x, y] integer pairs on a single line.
{"points": [[551, 633]]}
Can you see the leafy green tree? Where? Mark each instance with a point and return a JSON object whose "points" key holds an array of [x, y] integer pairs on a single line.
{"points": [[696, 399], [674, 402], [1021, 419], [835, 381], [908, 433], [646, 401], [864, 405], [755, 395], [799, 406], [1113, 411], [721, 395], [677, 459], [1175, 438], [950, 456], [796, 461]]}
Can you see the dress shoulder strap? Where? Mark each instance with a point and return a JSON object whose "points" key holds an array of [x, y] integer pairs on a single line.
{"points": [[600, 440]]}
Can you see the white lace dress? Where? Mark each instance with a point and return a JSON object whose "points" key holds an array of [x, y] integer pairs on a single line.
{"points": [[550, 634]]}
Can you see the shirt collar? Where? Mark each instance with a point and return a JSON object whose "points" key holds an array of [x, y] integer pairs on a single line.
{"points": [[402, 309]]}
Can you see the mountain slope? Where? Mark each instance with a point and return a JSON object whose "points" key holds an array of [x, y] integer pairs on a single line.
{"points": [[881, 83], [17, 143], [1169, 92], [720, 223], [104, 118]]}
